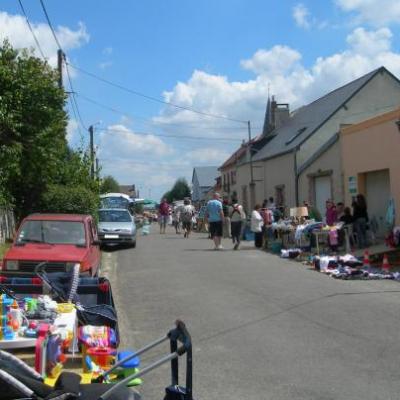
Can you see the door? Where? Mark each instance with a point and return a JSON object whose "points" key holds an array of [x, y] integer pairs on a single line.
{"points": [[323, 192], [377, 193]]}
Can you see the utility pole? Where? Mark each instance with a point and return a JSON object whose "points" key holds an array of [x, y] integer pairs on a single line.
{"points": [[91, 152], [252, 183], [60, 56], [97, 168]]}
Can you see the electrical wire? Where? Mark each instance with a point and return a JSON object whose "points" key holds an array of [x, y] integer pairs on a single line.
{"points": [[74, 103], [167, 103], [149, 122], [50, 25], [31, 29], [169, 136]]}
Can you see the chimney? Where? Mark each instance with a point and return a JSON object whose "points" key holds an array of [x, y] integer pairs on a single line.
{"points": [[280, 113], [276, 115]]}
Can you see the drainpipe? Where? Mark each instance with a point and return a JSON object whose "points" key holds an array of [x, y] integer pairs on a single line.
{"points": [[296, 175]]}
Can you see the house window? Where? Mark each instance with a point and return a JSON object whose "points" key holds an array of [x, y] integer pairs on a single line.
{"points": [[280, 195], [233, 177]]}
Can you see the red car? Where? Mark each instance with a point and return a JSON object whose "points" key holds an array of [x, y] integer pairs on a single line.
{"points": [[62, 240]]}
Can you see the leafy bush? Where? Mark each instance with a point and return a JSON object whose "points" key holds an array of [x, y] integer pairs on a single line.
{"points": [[72, 200]]}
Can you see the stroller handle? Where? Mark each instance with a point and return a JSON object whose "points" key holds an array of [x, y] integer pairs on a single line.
{"points": [[178, 334]]}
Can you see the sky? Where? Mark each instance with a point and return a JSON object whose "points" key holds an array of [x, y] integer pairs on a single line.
{"points": [[216, 57]]}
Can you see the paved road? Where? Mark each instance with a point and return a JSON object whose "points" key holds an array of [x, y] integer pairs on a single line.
{"points": [[263, 328]]}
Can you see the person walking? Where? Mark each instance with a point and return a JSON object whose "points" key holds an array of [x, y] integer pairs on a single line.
{"points": [[227, 220], [163, 215], [257, 223], [237, 216], [215, 217], [360, 219], [187, 215]]}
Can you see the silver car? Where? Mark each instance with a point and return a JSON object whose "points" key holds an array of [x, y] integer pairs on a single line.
{"points": [[116, 226]]}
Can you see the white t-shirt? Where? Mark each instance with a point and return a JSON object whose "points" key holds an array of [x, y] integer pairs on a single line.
{"points": [[256, 221]]}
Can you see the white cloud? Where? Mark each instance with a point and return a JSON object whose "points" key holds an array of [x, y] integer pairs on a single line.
{"points": [[107, 51], [15, 29], [72, 131], [281, 68], [277, 59], [105, 64], [207, 155], [120, 142], [301, 15], [376, 12]]}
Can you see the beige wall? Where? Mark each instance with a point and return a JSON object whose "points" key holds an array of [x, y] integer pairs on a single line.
{"points": [[372, 146], [328, 163], [280, 171], [380, 95]]}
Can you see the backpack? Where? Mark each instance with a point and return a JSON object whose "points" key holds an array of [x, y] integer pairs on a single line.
{"points": [[187, 214]]}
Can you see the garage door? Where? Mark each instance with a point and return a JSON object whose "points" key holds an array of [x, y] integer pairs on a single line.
{"points": [[377, 190], [323, 192]]}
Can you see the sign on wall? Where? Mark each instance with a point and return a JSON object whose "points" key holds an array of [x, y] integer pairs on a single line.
{"points": [[353, 187]]}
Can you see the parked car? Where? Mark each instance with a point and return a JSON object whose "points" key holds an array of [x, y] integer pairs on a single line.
{"points": [[62, 240], [117, 226]]}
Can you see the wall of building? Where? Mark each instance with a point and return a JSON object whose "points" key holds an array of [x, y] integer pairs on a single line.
{"points": [[380, 95], [279, 171], [328, 163], [372, 146]]}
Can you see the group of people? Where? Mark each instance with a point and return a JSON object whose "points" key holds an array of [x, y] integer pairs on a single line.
{"points": [[182, 216], [228, 219], [358, 218]]}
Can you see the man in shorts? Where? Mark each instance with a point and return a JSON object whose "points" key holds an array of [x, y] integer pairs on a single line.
{"points": [[186, 216], [215, 217]]}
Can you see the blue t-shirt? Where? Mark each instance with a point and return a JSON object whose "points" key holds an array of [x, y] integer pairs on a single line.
{"points": [[214, 209]]}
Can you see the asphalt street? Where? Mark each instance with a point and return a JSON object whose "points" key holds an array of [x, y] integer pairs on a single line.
{"points": [[262, 327]]}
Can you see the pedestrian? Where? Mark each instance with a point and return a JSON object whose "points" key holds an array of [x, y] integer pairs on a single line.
{"points": [[347, 218], [257, 223], [339, 210], [187, 215], [215, 217], [163, 215], [360, 220], [271, 204], [227, 220], [237, 216], [331, 213], [176, 213], [268, 218]]}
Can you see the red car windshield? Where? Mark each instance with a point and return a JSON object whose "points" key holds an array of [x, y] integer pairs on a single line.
{"points": [[53, 232]]}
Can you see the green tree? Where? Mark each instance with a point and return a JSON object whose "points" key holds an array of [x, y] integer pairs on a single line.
{"points": [[70, 199], [32, 128], [109, 185], [179, 191]]}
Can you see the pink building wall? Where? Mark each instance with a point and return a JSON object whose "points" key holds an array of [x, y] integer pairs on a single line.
{"points": [[372, 145]]}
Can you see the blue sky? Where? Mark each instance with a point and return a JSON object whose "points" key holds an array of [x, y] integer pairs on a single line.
{"points": [[216, 56]]}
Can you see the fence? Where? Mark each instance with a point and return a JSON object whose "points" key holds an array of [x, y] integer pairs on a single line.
{"points": [[7, 225]]}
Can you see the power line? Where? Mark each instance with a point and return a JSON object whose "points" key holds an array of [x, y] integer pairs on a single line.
{"points": [[136, 93], [149, 122], [169, 136], [31, 29], [50, 25], [74, 101]]}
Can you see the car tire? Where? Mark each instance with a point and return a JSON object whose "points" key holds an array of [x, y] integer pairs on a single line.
{"points": [[133, 245]]}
